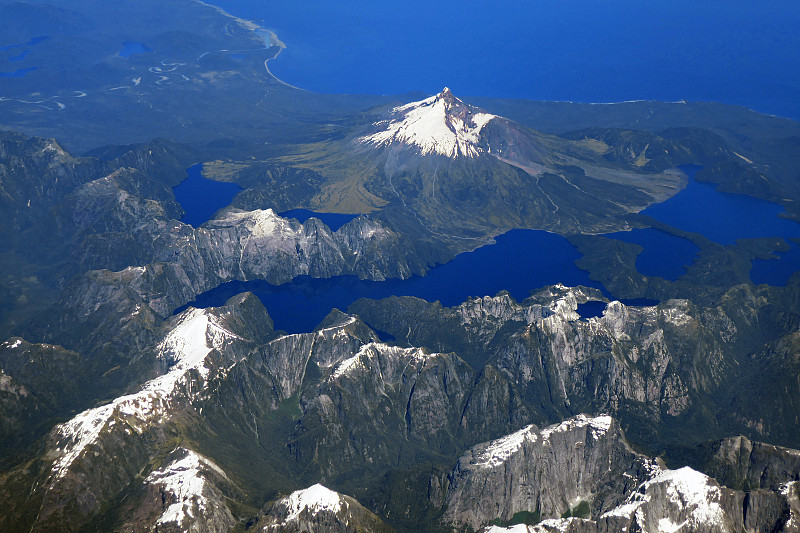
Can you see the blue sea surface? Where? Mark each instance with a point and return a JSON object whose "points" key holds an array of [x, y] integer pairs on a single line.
{"points": [[200, 198], [19, 57], [132, 47], [33, 41], [539, 259], [17, 73], [583, 50]]}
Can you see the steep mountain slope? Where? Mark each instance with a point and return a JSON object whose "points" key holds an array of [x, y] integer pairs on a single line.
{"points": [[339, 407], [668, 368], [584, 471], [464, 172]]}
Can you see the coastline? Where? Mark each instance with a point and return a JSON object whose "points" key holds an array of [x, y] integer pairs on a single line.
{"points": [[275, 41], [271, 39]]}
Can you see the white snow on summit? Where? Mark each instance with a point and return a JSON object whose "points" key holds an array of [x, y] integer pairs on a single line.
{"points": [[694, 503], [368, 352], [181, 480], [441, 124], [599, 425], [691, 490], [313, 499], [185, 348]]}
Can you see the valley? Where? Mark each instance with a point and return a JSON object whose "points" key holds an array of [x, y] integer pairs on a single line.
{"points": [[228, 304]]}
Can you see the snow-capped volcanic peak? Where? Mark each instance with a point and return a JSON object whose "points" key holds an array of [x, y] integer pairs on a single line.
{"points": [[441, 124]]}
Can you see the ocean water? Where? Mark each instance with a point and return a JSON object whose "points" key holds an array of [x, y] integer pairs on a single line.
{"points": [[731, 51], [33, 41], [130, 48], [17, 73], [19, 57]]}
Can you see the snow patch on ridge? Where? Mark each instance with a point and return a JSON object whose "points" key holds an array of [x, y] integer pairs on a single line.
{"points": [[516, 528], [182, 480], [694, 502], [185, 348], [259, 222], [372, 349], [691, 490], [498, 451], [501, 449], [599, 425], [11, 345], [441, 124]]}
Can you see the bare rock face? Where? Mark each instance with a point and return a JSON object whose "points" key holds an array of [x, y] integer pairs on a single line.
{"points": [[685, 500], [244, 245], [547, 472], [320, 510], [583, 471], [741, 463], [656, 364], [386, 405]]}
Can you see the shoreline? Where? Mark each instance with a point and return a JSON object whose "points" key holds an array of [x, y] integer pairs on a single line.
{"points": [[272, 40], [275, 41]]}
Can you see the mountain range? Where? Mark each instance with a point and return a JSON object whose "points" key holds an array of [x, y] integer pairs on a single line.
{"points": [[125, 408]]}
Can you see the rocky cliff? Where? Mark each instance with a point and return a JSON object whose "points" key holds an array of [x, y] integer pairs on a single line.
{"points": [[582, 476]]}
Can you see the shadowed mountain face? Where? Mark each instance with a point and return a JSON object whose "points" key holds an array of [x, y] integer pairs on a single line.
{"points": [[119, 414], [237, 417]]}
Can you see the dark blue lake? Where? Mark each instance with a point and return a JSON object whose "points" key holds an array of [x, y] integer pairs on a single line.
{"points": [[581, 50], [663, 255], [132, 47], [539, 259], [200, 198], [594, 308], [721, 217], [777, 272]]}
